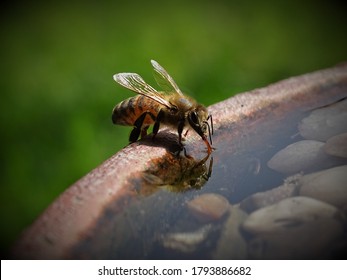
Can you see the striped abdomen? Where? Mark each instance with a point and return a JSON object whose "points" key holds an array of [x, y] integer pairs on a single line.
{"points": [[129, 110]]}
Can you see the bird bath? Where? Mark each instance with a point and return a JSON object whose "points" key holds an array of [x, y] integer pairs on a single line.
{"points": [[254, 197]]}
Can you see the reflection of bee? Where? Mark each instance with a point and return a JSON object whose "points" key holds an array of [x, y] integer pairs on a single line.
{"points": [[176, 174], [169, 107]]}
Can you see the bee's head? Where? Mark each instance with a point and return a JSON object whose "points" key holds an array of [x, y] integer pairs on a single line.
{"points": [[198, 120]]}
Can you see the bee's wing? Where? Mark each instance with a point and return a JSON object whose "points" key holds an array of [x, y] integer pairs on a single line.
{"points": [[164, 80], [135, 83]]}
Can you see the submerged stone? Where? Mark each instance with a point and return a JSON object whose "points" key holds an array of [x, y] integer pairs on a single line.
{"points": [[337, 146], [329, 185], [325, 122], [208, 207], [296, 227], [231, 244], [300, 156], [262, 199]]}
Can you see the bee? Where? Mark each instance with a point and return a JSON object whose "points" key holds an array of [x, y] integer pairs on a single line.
{"points": [[169, 107]]}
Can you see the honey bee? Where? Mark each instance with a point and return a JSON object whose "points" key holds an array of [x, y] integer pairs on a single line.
{"points": [[169, 107]]}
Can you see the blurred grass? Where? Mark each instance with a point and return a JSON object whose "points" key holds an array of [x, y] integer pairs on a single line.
{"points": [[57, 62]]}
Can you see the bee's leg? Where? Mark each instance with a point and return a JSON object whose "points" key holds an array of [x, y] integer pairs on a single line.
{"points": [[135, 133], [157, 123], [144, 131], [180, 130]]}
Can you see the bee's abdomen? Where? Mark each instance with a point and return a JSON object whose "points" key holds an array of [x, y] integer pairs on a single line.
{"points": [[129, 110]]}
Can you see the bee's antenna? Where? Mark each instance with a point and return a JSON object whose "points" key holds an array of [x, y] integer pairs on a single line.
{"points": [[211, 121], [210, 128], [209, 131]]}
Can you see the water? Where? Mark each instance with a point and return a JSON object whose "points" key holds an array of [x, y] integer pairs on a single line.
{"points": [[155, 222]]}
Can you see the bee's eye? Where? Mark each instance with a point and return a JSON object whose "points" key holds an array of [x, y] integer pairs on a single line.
{"points": [[194, 117]]}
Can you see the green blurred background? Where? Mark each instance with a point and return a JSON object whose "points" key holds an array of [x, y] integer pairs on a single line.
{"points": [[57, 62]]}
